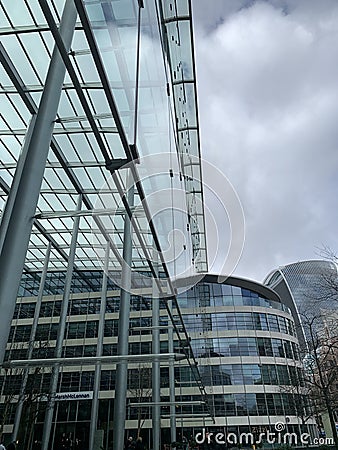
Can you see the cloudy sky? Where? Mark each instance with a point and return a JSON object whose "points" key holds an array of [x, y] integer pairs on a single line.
{"points": [[268, 103]]}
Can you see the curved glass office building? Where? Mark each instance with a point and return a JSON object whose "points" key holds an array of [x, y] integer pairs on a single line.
{"points": [[305, 287], [240, 361], [244, 339]]}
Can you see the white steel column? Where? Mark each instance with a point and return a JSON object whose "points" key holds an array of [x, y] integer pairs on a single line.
{"points": [[156, 387], [123, 329], [99, 351], [16, 230], [61, 331], [19, 407]]}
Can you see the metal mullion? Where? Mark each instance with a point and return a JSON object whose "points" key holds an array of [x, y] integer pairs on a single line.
{"points": [[29, 59], [16, 80], [7, 16], [104, 174], [55, 11], [62, 236], [72, 74], [11, 131], [102, 73], [62, 201], [8, 151], [76, 64], [91, 148], [45, 199], [90, 100], [65, 246], [77, 187], [45, 43], [58, 176], [88, 94], [31, 13], [16, 109], [7, 31], [73, 146], [82, 260], [59, 191], [105, 139], [67, 94], [28, 29], [61, 231], [86, 239]]}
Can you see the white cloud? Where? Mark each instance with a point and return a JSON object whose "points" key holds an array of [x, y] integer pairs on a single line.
{"points": [[268, 99]]}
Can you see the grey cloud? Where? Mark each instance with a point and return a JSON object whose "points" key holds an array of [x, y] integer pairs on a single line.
{"points": [[268, 98]]}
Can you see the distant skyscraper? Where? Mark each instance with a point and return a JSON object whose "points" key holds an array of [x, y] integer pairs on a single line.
{"points": [[305, 288]]}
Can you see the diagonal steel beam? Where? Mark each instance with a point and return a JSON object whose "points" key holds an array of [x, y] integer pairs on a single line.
{"points": [[32, 108], [102, 74], [71, 71]]}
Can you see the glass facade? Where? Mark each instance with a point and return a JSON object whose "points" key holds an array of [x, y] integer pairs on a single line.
{"points": [[306, 288], [244, 339], [241, 335]]}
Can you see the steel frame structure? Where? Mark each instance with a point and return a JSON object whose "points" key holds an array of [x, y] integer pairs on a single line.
{"points": [[102, 129]]}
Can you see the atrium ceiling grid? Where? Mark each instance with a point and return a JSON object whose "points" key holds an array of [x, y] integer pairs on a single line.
{"points": [[110, 114]]}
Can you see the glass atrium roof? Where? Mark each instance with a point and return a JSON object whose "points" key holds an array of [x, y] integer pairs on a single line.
{"points": [[137, 78]]}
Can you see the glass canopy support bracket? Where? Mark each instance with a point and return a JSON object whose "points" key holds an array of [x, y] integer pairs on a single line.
{"points": [[61, 332], [25, 197], [116, 164], [87, 212]]}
